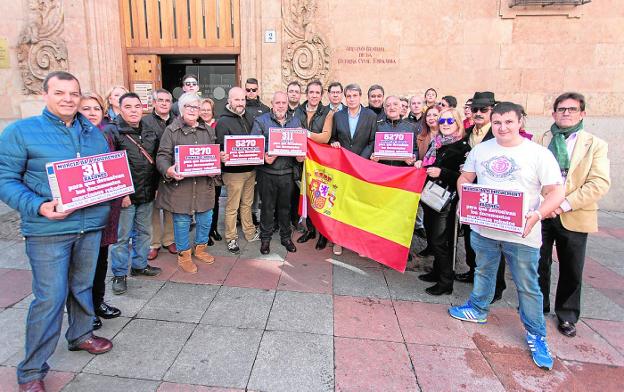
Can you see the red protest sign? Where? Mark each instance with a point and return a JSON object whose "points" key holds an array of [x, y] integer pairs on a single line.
{"points": [[81, 182], [493, 208], [289, 142], [244, 150], [195, 160], [394, 145]]}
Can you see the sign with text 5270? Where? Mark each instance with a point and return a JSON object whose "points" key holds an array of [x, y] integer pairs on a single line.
{"points": [[289, 142], [81, 182], [194, 160], [244, 150], [394, 145], [497, 209]]}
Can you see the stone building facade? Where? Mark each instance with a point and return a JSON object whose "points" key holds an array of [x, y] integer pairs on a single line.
{"points": [[524, 53]]}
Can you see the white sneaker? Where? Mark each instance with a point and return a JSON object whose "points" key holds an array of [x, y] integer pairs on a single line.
{"points": [[256, 237], [337, 249], [233, 247]]}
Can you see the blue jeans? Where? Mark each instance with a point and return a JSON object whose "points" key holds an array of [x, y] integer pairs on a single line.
{"points": [[523, 262], [182, 225], [135, 222], [63, 267]]}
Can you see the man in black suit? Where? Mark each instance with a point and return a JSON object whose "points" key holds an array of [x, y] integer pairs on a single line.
{"points": [[354, 128]]}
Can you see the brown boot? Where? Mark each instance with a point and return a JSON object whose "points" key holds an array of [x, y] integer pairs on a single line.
{"points": [[185, 262], [200, 253]]}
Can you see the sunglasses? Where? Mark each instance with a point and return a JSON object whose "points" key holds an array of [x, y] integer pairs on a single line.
{"points": [[189, 84], [251, 90], [448, 120], [482, 110], [570, 109]]}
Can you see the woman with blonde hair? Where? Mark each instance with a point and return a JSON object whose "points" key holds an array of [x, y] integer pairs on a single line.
{"points": [[206, 112], [112, 102], [447, 152]]}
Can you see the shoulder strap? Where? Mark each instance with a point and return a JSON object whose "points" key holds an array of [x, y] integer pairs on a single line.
{"points": [[140, 147]]}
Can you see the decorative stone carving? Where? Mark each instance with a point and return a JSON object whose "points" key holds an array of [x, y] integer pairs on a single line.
{"points": [[41, 49], [305, 55]]}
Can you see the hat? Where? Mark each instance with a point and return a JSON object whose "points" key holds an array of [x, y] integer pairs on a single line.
{"points": [[483, 99]]}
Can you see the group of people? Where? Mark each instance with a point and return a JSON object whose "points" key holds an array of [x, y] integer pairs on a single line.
{"points": [[562, 173]]}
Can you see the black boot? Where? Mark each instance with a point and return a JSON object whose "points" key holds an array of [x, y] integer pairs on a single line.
{"points": [[321, 243], [311, 234]]}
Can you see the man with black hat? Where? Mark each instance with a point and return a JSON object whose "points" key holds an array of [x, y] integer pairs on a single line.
{"points": [[481, 131]]}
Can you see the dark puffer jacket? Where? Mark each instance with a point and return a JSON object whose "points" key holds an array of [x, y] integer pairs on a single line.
{"points": [[144, 174], [281, 165], [255, 108], [230, 123], [154, 122], [318, 118], [388, 125]]}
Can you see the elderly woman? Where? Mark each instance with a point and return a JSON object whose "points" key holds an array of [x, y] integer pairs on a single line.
{"points": [[186, 196], [207, 114], [92, 107], [443, 159], [112, 102]]}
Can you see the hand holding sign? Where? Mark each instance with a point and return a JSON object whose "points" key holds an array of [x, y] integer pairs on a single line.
{"points": [[48, 209], [171, 173]]}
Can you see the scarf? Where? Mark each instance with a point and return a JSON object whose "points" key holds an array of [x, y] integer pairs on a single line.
{"points": [[437, 142], [558, 143]]}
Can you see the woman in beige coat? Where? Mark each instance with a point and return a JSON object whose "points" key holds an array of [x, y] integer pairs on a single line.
{"points": [[186, 196]]}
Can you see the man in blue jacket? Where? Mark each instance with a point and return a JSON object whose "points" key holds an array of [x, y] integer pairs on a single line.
{"points": [[62, 247]]}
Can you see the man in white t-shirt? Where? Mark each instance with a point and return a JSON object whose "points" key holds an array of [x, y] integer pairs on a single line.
{"points": [[511, 162]]}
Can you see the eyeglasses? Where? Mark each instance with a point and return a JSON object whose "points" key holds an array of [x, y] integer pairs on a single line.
{"points": [[448, 120], [251, 90], [482, 110], [570, 109], [335, 92], [191, 107], [189, 84]]}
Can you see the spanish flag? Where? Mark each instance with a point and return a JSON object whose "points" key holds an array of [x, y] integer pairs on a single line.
{"points": [[362, 205]]}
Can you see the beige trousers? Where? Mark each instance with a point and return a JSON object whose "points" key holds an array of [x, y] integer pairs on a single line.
{"points": [[162, 234], [240, 194]]}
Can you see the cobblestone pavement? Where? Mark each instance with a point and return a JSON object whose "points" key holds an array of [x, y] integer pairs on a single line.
{"points": [[312, 321]]}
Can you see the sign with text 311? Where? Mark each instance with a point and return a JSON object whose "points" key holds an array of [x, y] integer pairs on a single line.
{"points": [[81, 182], [244, 150], [394, 145], [289, 142], [497, 209], [194, 160]]}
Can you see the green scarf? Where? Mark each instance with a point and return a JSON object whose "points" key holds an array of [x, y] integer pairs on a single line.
{"points": [[558, 143]]}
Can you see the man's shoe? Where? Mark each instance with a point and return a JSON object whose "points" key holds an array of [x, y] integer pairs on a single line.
{"points": [[311, 234], [201, 254], [539, 351], [153, 253], [185, 262], [215, 235], [256, 237], [233, 247], [289, 246], [97, 323], [321, 243], [467, 312], [255, 220], [424, 253], [421, 233], [94, 345], [430, 277], [119, 285], [466, 277], [210, 241], [106, 311], [337, 249], [32, 386], [265, 247], [172, 249], [567, 328], [147, 271], [438, 289], [497, 297]]}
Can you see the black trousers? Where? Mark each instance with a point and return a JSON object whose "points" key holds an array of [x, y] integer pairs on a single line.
{"points": [[99, 279], [571, 247], [275, 195], [471, 261], [439, 227], [215, 210], [294, 206]]}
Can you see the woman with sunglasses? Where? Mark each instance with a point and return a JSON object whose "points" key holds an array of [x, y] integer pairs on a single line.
{"points": [[446, 153]]}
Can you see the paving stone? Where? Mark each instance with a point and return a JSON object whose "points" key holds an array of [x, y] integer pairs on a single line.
{"points": [[25, 303], [173, 387], [179, 302], [430, 324], [143, 349], [351, 260], [369, 365], [97, 383], [216, 356], [292, 361], [599, 276], [306, 276], [359, 282], [594, 377], [258, 274], [240, 307], [14, 255], [452, 369], [517, 372], [54, 381], [367, 318], [140, 291], [503, 332], [302, 312], [16, 285], [596, 305], [165, 261], [214, 273], [307, 252], [615, 295], [408, 287], [611, 331], [12, 324], [252, 250]]}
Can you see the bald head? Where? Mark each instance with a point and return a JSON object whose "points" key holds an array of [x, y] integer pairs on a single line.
{"points": [[236, 100], [280, 104]]}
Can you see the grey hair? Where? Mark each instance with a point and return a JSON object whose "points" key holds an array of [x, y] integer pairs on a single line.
{"points": [[160, 91], [187, 98], [353, 87]]}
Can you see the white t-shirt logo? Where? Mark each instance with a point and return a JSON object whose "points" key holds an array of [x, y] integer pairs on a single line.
{"points": [[500, 168]]}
